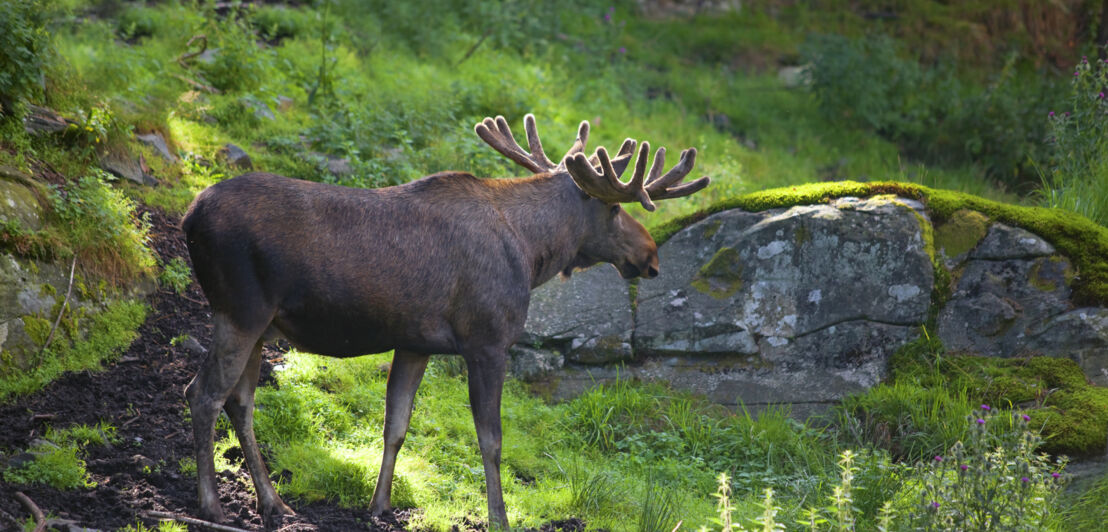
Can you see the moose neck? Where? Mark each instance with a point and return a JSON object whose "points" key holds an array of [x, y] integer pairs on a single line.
{"points": [[547, 213]]}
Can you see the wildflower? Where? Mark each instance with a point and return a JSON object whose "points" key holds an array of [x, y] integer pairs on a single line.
{"points": [[1100, 96], [622, 49], [964, 467], [935, 504], [980, 421], [985, 408], [938, 458], [1025, 480], [607, 17], [1055, 474], [1077, 73], [1025, 416], [1050, 114]]}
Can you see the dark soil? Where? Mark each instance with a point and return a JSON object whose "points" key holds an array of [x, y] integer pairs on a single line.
{"points": [[142, 395]]}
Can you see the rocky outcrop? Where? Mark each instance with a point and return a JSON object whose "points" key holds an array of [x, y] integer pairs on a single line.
{"points": [[805, 305]]}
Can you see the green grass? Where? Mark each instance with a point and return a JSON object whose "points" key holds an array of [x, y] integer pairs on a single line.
{"points": [[57, 457]]}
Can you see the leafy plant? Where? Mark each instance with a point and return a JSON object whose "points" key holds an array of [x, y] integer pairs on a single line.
{"points": [[1077, 176], [25, 50], [995, 480], [57, 461], [176, 274]]}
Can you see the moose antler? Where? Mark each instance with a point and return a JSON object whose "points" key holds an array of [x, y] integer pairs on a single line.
{"points": [[643, 187], [496, 133]]}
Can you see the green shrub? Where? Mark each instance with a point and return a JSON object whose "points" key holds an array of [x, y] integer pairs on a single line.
{"points": [[136, 22], [176, 274], [57, 461], [933, 113], [25, 49], [100, 225], [1077, 176], [995, 480]]}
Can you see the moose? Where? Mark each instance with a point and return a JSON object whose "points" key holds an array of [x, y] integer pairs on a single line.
{"points": [[441, 265]]}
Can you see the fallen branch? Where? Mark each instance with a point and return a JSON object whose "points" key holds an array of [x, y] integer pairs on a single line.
{"points": [[193, 521], [40, 519], [65, 302], [181, 60], [197, 85]]}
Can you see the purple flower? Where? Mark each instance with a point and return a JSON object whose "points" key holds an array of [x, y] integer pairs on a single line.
{"points": [[1101, 95], [1067, 113], [1026, 417], [935, 504], [1025, 480], [985, 408], [607, 17], [1050, 114], [1077, 73], [1055, 475], [964, 467], [980, 421], [938, 459], [622, 49]]}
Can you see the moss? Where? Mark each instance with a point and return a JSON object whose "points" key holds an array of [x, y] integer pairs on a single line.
{"points": [[961, 232], [1072, 413], [108, 333], [803, 236], [721, 277], [1082, 241]]}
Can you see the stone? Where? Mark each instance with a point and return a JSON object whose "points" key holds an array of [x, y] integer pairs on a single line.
{"points": [[339, 167], [157, 142], [532, 365], [126, 167], [193, 346], [997, 303], [1080, 334], [284, 103], [18, 203], [958, 235], [236, 157], [738, 283], [1003, 242], [795, 76], [587, 317], [40, 120]]}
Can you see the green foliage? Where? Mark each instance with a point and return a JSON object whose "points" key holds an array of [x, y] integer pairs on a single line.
{"points": [[136, 22], [1077, 177], [109, 332], [25, 50], [100, 225], [1071, 413], [163, 526], [176, 274], [57, 461], [931, 112], [993, 480], [1086, 510]]}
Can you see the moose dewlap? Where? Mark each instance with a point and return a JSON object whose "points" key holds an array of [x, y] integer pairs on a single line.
{"points": [[443, 265]]}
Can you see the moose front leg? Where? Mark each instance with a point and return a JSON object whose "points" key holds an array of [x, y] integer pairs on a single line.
{"points": [[486, 382], [404, 377]]}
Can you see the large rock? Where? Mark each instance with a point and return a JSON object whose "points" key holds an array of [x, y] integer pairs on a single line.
{"points": [[1013, 299], [586, 318], [18, 203]]}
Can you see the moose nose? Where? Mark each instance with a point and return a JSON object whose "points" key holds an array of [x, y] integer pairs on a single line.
{"points": [[651, 272]]}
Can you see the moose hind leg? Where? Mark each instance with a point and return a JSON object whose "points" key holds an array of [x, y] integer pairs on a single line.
{"points": [[486, 384], [240, 408], [404, 377], [206, 394]]}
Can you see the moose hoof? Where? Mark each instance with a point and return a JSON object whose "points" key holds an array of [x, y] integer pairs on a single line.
{"points": [[273, 516], [212, 513]]}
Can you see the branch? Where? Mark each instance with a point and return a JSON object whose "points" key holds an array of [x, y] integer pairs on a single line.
{"points": [[65, 302], [473, 48], [194, 521], [40, 519]]}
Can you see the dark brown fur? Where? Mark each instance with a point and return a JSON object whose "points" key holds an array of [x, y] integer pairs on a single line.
{"points": [[441, 265]]}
